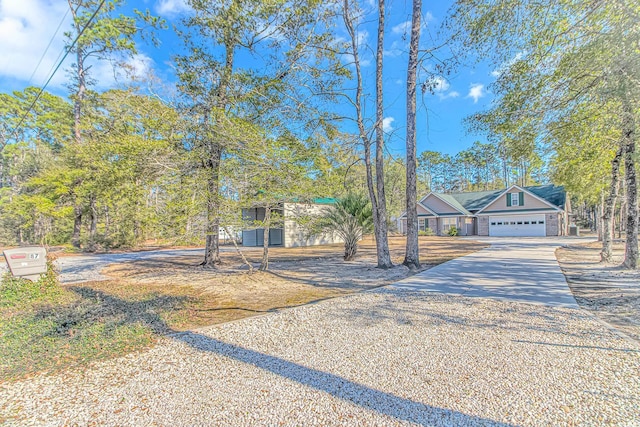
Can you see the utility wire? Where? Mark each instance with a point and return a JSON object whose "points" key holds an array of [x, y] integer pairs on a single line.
{"points": [[15, 130], [49, 45]]}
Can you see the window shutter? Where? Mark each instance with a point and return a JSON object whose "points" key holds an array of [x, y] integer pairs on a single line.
{"points": [[521, 198], [508, 199]]}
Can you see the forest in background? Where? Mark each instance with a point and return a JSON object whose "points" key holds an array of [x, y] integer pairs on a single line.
{"points": [[137, 180], [100, 170]]}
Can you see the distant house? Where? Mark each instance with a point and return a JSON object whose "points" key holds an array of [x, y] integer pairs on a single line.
{"points": [[292, 233], [516, 211]]}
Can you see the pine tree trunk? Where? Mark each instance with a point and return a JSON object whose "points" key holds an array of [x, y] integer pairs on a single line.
{"points": [[79, 98], [381, 229], [77, 225], [80, 75], [412, 255], [608, 217], [264, 264], [107, 223], [94, 218], [629, 136], [212, 243]]}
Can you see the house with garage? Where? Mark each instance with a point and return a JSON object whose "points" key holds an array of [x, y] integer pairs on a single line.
{"points": [[291, 232], [540, 210]]}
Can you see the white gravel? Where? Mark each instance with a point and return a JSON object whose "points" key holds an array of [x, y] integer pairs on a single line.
{"points": [[382, 358]]}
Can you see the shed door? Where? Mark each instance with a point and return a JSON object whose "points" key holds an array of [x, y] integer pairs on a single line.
{"points": [[517, 225]]}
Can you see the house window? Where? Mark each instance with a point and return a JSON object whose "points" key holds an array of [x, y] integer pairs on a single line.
{"points": [[421, 225], [447, 223], [515, 199]]}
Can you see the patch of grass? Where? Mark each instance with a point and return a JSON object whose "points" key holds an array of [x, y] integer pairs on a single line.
{"points": [[17, 293], [45, 327], [36, 343]]}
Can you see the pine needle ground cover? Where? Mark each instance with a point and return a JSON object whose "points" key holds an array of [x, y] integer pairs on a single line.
{"points": [[46, 326]]}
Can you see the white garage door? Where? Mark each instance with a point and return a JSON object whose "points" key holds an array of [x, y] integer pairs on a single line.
{"points": [[517, 225]]}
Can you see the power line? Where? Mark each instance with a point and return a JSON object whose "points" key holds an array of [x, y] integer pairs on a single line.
{"points": [[15, 130], [49, 45]]}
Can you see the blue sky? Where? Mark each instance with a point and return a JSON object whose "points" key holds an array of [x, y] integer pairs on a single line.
{"points": [[28, 26]]}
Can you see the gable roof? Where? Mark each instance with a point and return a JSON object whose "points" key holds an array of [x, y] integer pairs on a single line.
{"points": [[426, 208], [448, 198], [553, 194], [474, 201], [526, 190]]}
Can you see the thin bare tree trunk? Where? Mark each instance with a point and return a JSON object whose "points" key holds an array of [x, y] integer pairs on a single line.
{"points": [[107, 223], [363, 134], [264, 264], [381, 229], [608, 216], [77, 225], [412, 255], [235, 245], [80, 75], [629, 136]]}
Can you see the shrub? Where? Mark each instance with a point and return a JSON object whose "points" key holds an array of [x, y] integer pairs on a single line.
{"points": [[351, 217], [18, 292], [453, 231], [426, 232]]}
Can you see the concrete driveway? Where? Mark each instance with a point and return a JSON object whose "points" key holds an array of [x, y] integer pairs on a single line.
{"points": [[513, 269]]}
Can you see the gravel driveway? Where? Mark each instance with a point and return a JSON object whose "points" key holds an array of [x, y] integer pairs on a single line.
{"points": [[392, 356]]}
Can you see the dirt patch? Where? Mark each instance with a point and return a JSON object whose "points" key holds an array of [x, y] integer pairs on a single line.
{"points": [[297, 276], [607, 290]]}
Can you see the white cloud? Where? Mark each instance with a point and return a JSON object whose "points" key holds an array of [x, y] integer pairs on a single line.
{"points": [[476, 91], [505, 65], [396, 49], [26, 27], [386, 124], [171, 7], [440, 86], [405, 27], [402, 28], [139, 66], [428, 17]]}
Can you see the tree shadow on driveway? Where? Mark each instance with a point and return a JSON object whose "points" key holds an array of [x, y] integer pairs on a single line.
{"points": [[361, 395], [384, 403]]}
